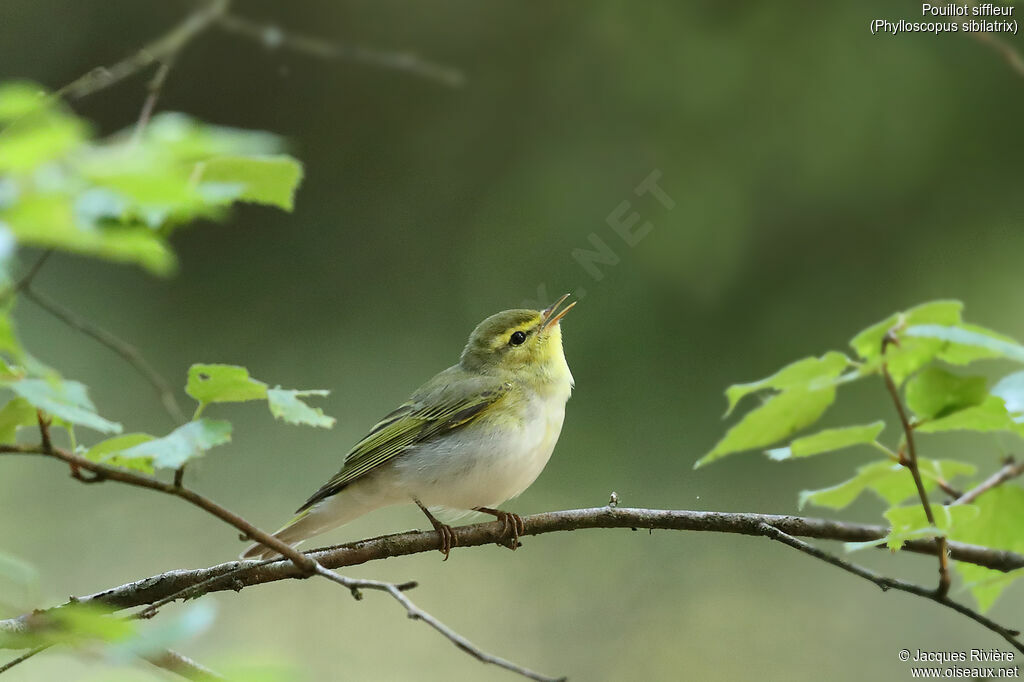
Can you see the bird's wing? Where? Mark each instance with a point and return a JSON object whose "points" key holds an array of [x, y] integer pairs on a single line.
{"points": [[427, 414]]}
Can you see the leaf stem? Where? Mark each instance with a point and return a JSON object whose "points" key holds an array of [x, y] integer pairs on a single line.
{"points": [[910, 461]]}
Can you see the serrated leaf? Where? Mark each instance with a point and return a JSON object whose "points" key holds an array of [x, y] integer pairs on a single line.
{"points": [[828, 440], [990, 415], [808, 373], [268, 180], [934, 392], [1011, 389], [978, 337], [107, 452], [779, 417], [998, 525], [868, 343], [285, 404], [184, 443], [890, 480], [68, 400], [223, 384], [16, 412]]}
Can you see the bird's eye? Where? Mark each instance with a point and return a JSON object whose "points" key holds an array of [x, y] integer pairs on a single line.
{"points": [[517, 339]]}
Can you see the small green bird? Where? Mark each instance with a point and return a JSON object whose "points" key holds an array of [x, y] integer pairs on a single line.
{"points": [[477, 434]]}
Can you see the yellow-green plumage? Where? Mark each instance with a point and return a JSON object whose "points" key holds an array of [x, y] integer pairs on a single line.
{"points": [[475, 435]]}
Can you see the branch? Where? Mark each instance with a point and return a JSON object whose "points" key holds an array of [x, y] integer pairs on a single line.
{"points": [[910, 462], [160, 50], [237, 575], [127, 351], [1010, 470], [455, 638], [24, 657], [895, 584], [274, 36], [183, 666]]}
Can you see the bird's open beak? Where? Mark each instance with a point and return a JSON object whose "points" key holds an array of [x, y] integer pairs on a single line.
{"points": [[551, 315]]}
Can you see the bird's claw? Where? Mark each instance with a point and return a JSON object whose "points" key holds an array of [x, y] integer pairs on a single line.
{"points": [[513, 525], [448, 539]]}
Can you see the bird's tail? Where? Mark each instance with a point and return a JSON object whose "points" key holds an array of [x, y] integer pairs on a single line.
{"points": [[303, 526]]}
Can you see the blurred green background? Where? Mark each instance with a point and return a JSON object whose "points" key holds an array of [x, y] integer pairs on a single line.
{"points": [[822, 178]]}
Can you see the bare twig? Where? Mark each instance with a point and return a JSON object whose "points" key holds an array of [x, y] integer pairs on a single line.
{"points": [[274, 36], [183, 666], [23, 657], [159, 50], [155, 86], [910, 461], [455, 638], [303, 563], [124, 349], [27, 278], [1010, 470], [886, 583]]}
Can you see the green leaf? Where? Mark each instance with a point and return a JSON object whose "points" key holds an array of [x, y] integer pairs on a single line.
{"points": [[934, 392], [888, 479], [779, 417], [990, 415], [75, 625], [184, 443], [15, 413], [285, 404], [910, 522], [828, 440], [868, 343], [264, 180], [998, 525], [68, 400], [223, 384], [51, 221], [809, 373], [107, 452], [1011, 389], [38, 131], [977, 337]]}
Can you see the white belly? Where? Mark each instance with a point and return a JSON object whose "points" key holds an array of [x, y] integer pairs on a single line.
{"points": [[482, 465]]}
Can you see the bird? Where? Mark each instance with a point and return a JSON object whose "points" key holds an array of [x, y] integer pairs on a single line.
{"points": [[471, 438]]}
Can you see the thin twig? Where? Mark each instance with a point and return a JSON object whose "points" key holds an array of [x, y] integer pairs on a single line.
{"points": [[124, 349], [455, 638], [274, 36], [159, 50], [154, 87], [183, 666], [24, 657], [910, 461], [301, 561], [886, 583], [1009, 471], [27, 278]]}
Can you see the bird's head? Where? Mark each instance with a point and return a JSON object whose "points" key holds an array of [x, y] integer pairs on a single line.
{"points": [[519, 343]]}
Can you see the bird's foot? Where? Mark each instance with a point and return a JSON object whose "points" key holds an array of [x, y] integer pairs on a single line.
{"points": [[513, 525], [448, 538]]}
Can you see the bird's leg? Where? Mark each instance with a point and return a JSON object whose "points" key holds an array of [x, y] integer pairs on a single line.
{"points": [[513, 523], [448, 539]]}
